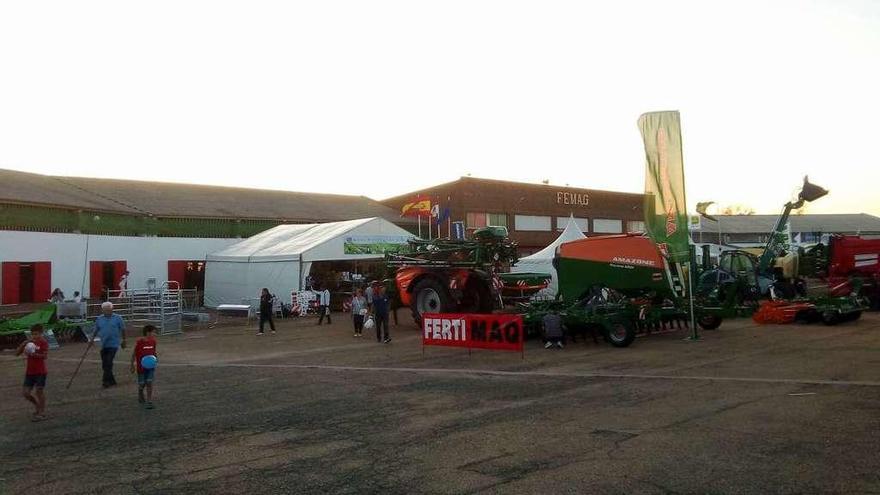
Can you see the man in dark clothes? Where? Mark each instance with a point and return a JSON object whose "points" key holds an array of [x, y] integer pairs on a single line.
{"points": [[553, 330], [324, 306], [381, 304], [266, 300], [391, 289]]}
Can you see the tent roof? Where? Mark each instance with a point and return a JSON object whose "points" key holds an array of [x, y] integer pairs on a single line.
{"points": [[571, 233], [288, 242]]}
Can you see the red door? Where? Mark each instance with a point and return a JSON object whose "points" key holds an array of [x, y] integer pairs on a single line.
{"points": [[42, 280], [119, 267], [96, 279], [10, 283], [177, 271]]}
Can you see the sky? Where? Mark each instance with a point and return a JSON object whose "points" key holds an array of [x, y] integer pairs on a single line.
{"points": [[380, 98]]}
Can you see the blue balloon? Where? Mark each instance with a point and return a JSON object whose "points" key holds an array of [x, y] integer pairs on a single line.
{"points": [[148, 362]]}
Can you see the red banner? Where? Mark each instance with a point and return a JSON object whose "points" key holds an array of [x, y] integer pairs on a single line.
{"points": [[473, 331]]}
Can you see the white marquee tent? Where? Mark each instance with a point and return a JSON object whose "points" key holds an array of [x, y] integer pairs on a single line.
{"points": [[281, 258], [542, 261]]}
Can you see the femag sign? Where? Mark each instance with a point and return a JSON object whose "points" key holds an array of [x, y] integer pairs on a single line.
{"points": [[473, 331]]}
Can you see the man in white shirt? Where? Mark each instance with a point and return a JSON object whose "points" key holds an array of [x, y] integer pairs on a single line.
{"points": [[324, 306]]}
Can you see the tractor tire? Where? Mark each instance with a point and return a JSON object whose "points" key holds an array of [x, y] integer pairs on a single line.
{"points": [[830, 317], [619, 333], [430, 296], [477, 298], [709, 322]]}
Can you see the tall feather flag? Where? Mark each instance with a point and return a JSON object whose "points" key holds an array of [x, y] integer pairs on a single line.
{"points": [[665, 210], [665, 207]]}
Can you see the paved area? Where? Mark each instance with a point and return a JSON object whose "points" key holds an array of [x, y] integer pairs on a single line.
{"points": [[748, 409]]}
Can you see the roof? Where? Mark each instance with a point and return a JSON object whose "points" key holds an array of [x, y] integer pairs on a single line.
{"points": [[527, 185], [825, 223], [291, 242], [163, 199]]}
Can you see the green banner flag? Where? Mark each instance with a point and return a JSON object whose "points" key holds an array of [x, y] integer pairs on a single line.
{"points": [[665, 212]]}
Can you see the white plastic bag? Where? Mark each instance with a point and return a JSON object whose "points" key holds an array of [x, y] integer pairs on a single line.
{"points": [[369, 324]]}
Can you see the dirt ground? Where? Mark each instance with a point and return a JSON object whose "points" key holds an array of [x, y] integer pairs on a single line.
{"points": [[748, 409]]}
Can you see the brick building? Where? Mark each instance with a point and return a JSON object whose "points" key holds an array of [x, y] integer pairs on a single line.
{"points": [[534, 214]]}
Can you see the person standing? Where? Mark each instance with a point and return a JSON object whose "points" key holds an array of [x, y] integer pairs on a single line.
{"points": [[370, 292], [381, 305], [37, 349], [358, 312], [324, 306], [76, 297], [266, 303], [553, 330], [123, 283], [110, 328], [57, 296]]}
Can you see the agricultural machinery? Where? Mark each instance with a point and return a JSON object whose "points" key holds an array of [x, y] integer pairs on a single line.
{"points": [[751, 277], [461, 276], [848, 264], [620, 284]]}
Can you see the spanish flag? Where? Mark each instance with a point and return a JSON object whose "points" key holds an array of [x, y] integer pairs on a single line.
{"points": [[418, 207]]}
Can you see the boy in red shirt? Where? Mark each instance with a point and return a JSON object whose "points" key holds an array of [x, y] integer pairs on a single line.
{"points": [[145, 346], [35, 373]]}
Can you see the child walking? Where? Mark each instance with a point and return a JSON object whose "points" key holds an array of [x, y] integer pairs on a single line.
{"points": [[145, 346], [36, 348]]}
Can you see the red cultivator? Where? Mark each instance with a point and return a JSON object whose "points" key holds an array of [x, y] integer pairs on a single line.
{"points": [[781, 312], [828, 310]]}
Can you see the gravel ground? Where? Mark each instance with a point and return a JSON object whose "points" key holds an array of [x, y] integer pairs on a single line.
{"points": [[748, 409]]}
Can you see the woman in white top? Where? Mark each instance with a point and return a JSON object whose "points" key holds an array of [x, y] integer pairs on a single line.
{"points": [[358, 311]]}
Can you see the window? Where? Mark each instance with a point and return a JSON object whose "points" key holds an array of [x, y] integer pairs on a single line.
{"points": [[583, 223], [635, 226], [532, 223], [480, 220], [607, 226], [497, 219], [476, 220]]}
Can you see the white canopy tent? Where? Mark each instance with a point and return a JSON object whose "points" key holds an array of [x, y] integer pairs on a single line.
{"points": [[542, 261], [281, 258]]}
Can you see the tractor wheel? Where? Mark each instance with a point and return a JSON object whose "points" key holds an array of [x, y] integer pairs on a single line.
{"points": [[477, 298], [709, 322], [619, 333], [429, 296], [830, 317]]}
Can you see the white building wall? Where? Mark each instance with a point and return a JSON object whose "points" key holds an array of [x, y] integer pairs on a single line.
{"points": [[70, 254]]}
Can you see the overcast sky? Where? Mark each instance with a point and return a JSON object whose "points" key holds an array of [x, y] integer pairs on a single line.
{"points": [[381, 98]]}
